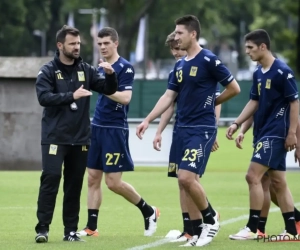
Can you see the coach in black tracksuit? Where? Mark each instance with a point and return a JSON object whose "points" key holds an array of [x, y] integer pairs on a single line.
{"points": [[62, 87]]}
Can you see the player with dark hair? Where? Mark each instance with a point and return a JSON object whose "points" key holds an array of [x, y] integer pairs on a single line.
{"points": [[274, 99], [173, 164], [194, 80], [109, 153], [63, 88]]}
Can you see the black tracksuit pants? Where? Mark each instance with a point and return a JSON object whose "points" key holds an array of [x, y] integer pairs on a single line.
{"points": [[74, 159]]}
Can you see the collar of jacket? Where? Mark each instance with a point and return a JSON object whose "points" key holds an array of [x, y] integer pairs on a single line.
{"points": [[57, 60]]}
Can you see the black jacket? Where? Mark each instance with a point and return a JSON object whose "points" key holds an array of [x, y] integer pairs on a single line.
{"points": [[55, 85]]}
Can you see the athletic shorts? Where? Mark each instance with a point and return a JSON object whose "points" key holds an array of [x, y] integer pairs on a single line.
{"points": [[109, 150]]}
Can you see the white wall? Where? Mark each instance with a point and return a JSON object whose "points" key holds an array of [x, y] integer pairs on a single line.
{"points": [[143, 154], [142, 151]]}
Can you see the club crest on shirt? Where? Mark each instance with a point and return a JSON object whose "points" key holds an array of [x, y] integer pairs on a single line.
{"points": [[81, 77], [268, 84], [193, 71]]}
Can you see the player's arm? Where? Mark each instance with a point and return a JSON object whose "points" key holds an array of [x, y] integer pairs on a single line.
{"points": [[218, 107], [291, 95], [45, 90], [294, 114], [218, 114], [291, 139], [124, 93], [297, 151], [123, 97], [246, 125], [164, 120], [107, 86], [161, 106], [244, 128], [222, 75], [232, 89], [247, 112], [165, 101]]}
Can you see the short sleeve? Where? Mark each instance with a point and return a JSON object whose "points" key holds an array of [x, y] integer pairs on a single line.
{"points": [[219, 71], [126, 78], [290, 86], [254, 92], [172, 81]]}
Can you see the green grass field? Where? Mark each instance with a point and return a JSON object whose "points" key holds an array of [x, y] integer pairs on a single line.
{"points": [[121, 224]]}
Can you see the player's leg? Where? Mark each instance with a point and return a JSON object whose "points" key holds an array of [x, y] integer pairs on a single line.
{"points": [[266, 205], [118, 160], [296, 211], [94, 201], [172, 172], [285, 200], [196, 145], [256, 195], [74, 170], [52, 160], [95, 173]]}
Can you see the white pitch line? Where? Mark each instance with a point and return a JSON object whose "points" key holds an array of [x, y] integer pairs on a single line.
{"points": [[223, 223]]}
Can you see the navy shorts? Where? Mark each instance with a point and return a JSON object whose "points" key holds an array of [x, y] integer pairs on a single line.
{"points": [[270, 152], [173, 156], [195, 147], [109, 150]]}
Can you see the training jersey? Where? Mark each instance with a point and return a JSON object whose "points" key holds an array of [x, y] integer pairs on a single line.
{"points": [[274, 90], [109, 113], [195, 80]]}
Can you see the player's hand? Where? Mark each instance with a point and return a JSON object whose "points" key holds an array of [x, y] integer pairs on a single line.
{"points": [[140, 130], [108, 69], [215, 146], [157, 142], [239, 140], [297, 155], [230, 131], [290, 142], [81, 92]]}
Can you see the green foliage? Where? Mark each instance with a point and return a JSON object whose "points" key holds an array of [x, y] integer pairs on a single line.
{"points": [[220, 21]]}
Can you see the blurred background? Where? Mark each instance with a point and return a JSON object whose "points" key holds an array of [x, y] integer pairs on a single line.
{"points": [[27, 41], [28, 28]]}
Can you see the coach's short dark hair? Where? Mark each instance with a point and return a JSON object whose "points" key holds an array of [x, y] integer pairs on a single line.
{"points": [[108, 31], [259, 37], [64, 31], [191, 23]]}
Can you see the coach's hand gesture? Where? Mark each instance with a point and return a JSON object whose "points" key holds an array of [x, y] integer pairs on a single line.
{"points": [[81, 92], [108, 69], [140, 130]]}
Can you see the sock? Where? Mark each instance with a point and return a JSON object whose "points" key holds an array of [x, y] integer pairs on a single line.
{"points": [[92, 219], [289, 221], [253, 220], [146, 210], [196, 227], [297, 214], [262, 224], [187, 226], [213, 212], [207, 216]]}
